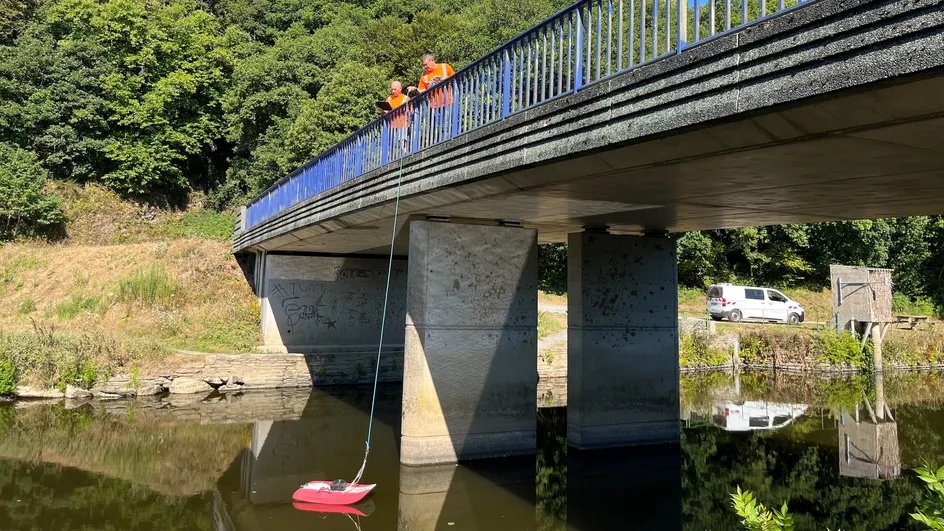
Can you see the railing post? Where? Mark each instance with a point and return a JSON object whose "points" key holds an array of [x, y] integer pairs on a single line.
{"points": [[506, 84], [417, 118], [384, 142], [358, 157], [578, 67], [682, 23], [456, 99]]}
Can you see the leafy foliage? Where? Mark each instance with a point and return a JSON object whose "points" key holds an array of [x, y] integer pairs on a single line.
{"points": [[756, 517], [25, 209], [931, 510], [696, 349]]}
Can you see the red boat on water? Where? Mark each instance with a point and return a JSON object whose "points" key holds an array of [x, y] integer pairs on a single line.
{"points": [[319, 492]]}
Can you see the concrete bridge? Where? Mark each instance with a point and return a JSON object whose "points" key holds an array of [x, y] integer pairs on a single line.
{"points": [[825, 110]]}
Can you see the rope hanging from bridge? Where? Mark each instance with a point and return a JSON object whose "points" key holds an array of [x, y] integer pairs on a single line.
{"points": [[383, 321]]}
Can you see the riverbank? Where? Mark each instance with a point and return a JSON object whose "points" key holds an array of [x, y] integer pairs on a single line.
{"points": [[805, 348]]}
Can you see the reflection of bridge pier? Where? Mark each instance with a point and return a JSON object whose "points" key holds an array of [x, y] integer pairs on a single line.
{"points": [[868, 438], [488, 495], [645, 485]]}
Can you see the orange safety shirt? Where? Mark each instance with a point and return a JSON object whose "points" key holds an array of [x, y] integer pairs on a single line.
{"points": [[430, 79], [399, 120]]}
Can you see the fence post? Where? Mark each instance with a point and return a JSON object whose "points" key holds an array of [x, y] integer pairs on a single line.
{"points": [[682, 23], [578, 49]]}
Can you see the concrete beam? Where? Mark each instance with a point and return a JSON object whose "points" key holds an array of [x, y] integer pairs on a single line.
{"points": [[470, 356], [622, 343]]}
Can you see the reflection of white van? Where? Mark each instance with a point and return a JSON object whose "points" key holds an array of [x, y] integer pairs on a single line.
{"points": [[756, 415], [735, 303]]}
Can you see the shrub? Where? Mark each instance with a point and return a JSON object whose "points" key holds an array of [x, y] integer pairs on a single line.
{"points": [[754, 347], [8, 377], [207, 224], [151, 287], [901, 303], [838, 348], [696, 350], [25, 208], [930, 511]]}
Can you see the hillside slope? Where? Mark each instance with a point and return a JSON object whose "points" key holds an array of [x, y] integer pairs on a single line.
{"points": [[133, 271]]}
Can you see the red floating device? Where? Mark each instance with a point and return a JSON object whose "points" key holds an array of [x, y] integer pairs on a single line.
{"points": [[320, 492]]}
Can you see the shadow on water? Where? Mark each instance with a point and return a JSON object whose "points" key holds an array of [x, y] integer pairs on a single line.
{"points": [[232, 462]]}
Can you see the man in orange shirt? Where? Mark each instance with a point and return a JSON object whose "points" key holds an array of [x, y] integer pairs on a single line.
{"points": [[396, 99], [433, 74]]}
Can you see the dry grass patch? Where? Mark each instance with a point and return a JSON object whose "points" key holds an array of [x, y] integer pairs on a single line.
{"points": [[549, 323], [188, 294]]}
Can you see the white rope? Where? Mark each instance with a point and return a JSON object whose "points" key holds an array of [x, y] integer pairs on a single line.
{"points": [[383, 321]]}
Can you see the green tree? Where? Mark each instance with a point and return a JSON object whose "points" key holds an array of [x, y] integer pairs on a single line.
{"points": [[162, 95], [25, 209]]}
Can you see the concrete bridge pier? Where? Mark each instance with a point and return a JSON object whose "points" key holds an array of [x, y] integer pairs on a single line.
{"points": [[470, 351], [622, 343]]}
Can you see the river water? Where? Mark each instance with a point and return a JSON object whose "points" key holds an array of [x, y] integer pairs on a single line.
{"points": [[840, 452]]}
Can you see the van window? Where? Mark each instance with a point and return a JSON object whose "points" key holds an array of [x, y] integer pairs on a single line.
{"points": [[754, 294], [714, 292], [776, 296]]}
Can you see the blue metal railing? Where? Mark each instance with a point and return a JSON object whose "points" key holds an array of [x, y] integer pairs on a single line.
{"points": [[582, 44]]}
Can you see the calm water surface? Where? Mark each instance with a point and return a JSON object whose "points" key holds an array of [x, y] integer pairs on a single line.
{"points": [[839, 451]]}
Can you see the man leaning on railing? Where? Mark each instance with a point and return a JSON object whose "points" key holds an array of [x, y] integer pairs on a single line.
{"points": [[394, 100], [433, 74]]}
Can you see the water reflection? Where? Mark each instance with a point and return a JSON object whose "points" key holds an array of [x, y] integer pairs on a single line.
{"points": [[868, 443], [231, 462]]}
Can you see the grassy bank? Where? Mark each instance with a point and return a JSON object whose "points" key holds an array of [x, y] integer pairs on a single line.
{"points": [[769, 345], [126, 286]]}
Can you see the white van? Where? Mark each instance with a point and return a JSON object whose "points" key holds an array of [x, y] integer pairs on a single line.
{"points": [[736, 303], [756, 415]]}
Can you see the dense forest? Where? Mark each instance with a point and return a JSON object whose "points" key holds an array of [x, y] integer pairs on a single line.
{"points": [[157, 98]]}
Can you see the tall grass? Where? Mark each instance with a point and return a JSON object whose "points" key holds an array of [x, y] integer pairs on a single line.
{"points": [[150, 287], [48, 358], [76, 304]]}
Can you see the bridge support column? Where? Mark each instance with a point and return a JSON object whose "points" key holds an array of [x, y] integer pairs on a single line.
{"points": [[622, 342], [470, 352]]}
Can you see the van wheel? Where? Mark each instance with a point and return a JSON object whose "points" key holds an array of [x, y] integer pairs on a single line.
{"points": [[715, 317], [735, 316], [793, 319]]}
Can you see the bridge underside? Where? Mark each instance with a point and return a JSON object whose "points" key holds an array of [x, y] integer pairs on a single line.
{"points": [[870, 154]]}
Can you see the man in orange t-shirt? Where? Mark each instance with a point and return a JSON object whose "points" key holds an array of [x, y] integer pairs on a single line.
{"points": [[433, 74], [396, 99]]}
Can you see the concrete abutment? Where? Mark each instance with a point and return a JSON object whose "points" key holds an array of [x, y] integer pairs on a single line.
{"points": [[313, 303], [470, 355], [622, 349]]}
